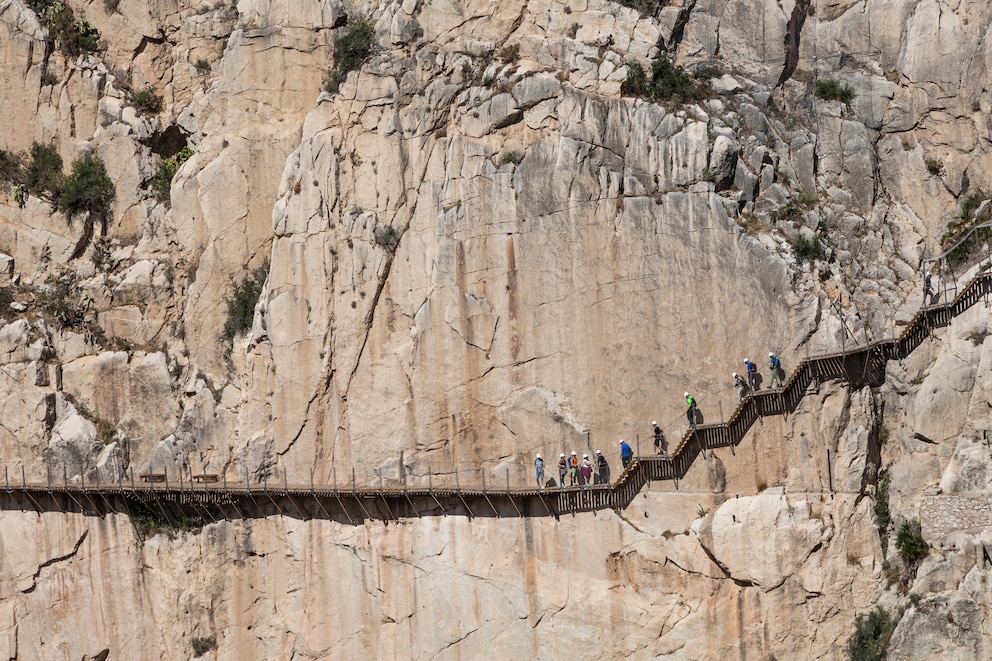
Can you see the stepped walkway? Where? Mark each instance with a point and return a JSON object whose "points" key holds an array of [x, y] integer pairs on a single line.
{"points": [[177, 504]]}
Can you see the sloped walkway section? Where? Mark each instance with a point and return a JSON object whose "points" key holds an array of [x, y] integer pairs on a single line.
{"points": [[176, 504]]}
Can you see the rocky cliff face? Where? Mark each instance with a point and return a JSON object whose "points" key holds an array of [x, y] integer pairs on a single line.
{"points": [[475, 249]]}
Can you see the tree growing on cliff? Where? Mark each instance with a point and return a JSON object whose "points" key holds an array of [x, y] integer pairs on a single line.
{"points": [[351, 49], [242, 301], [87, 192], [871, 635]]}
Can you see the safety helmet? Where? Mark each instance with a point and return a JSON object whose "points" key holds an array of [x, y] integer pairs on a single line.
{"points": [[621, 441], [585, 456], [654, 422], [747, 360], [573, 452], [598, 452], [538, 455], [771, 355], [928, 272], [685, 394], [561, 456]]}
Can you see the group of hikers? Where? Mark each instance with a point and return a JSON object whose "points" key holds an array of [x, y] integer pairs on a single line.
{"points": [[595, 470]]}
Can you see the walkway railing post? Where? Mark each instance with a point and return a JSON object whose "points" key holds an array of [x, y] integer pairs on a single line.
{"points": [[6, 478], [24, 482]]}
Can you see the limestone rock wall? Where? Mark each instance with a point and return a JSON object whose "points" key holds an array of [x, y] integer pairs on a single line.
{"points": [[475, 256]]}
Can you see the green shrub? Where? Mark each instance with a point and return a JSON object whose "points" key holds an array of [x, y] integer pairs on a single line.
{"points": [[87, 189], [161, 181], [48, 78], [351, 49], [387, 236], [44, 171], [910, 543], [883, 516], [806, 249], [146, 101], [111, 6], [509, 53], [203, 645], [149, 522], [242, 301], [11, 167], [202, 66], [73, 37], [668, 83], [573, 30], [870, 639], [6, 298], [934, 165], [512, 157], [832, 90]]}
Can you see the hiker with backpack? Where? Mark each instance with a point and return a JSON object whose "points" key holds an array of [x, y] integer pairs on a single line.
{"points": [[660, 443], [690, 410], [752, 375], [573, 469], [562, 469], [776, 367], [741, 385]]}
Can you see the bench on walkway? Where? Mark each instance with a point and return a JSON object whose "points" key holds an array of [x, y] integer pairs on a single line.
{"points": [[207, 477], [152, 477]]}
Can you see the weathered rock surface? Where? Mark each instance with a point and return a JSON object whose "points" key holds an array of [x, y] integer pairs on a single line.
{"points": [[474, 256]]}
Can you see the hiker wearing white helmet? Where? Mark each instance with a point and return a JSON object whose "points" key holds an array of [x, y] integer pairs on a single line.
{"points": [[626, 454], [586, 471], [690, 410], [752, 375], [741, 386], [573, 469], [539, 470], [602, 468], [562, 469], [660, 444], [775, 365]]}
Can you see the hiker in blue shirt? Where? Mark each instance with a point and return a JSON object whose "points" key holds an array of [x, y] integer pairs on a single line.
{"points": [[626, 454], [539, 469], [752, 375], [776, 366]]}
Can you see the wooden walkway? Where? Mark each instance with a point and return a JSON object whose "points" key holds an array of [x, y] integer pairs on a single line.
{"points": [[174, 503]]}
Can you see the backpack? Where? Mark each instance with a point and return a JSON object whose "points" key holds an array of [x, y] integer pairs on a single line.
{"points": [[751, 367], [775, 363]]}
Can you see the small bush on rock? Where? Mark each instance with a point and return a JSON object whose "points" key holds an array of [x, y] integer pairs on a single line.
{"points": [[667, 83], [242, 301], [203, 645], [44, 171], [161, 181], [829, 89], [63, 300], [806, 249], [73, 37], [645, 7], [146, 101], [87, 189], [870, 639], [910, 543], [351, 49]]}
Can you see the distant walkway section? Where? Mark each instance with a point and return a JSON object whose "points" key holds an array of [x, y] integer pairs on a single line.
{"points": [[210, 498]]}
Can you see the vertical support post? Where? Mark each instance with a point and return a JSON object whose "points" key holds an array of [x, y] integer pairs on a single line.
{"points": [[430, 478], [353, 483], [285, 480], [721, 411], [24, 482], [165, 471], [830, 473], [508, 480], [483, 480], [6, 478], [457, 486], [637, 443]]}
